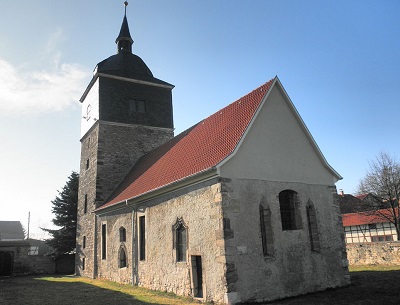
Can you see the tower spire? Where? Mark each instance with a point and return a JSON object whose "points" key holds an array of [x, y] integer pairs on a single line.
{"points": [[124, 40]]}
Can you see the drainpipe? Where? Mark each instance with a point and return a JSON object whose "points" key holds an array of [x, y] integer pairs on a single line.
{"points": [[134, 246], [95, 266]]}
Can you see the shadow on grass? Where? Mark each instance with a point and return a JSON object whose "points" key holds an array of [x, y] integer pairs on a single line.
{"points": [[367, 287], [35, 291]]}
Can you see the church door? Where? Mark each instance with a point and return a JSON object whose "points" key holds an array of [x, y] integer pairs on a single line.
{"points": [[197, 276]]}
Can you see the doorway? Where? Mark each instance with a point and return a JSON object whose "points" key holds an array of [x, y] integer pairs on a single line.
{"points": [[6, 263], [197, 276]]}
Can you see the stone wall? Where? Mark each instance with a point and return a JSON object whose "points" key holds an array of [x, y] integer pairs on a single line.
{"points": [[378, 253], [22, 263], [293, 267], [109, 267], [84, 259], [119, 147], [108, 151], [199, 208]]}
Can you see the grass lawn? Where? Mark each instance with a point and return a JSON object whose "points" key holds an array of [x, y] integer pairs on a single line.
{"points": [[71, 290], [370, 285], [373, 285]]}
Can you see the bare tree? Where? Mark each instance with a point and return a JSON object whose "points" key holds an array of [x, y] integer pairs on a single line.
{"points": [[382, 183]]}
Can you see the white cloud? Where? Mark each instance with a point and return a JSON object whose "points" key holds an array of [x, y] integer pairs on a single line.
{"points": [[40, 91], [51, 47]]}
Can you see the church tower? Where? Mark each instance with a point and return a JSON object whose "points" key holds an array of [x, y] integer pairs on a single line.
{"points": [[126, 112]]}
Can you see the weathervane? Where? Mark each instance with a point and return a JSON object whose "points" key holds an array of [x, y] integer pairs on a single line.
{"points": [[126, 4]]}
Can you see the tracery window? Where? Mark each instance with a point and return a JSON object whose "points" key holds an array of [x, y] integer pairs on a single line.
{"points": [[180, 240]]}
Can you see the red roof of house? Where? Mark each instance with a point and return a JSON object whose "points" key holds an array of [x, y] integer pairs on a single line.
{"points": [[195, 150], [362, 218], [361, 196]]}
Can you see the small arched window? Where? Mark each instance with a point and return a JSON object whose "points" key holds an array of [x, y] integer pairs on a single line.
{"points": [[122, 234], [289, 207], [122, 258]]}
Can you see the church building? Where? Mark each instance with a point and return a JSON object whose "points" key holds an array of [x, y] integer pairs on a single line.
{"points": [[240, 207]]}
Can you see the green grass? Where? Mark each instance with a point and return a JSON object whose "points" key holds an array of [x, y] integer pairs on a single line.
{"points": [[66, 290], [138, 293], [358, 268]]}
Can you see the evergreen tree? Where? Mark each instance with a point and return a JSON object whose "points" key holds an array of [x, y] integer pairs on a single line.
{"points": [[65, 210]]}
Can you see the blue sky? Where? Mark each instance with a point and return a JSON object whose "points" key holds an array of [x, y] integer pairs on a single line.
{"points": [[338, 61]]}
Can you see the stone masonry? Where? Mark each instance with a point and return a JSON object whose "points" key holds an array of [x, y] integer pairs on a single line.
{"points": [[378, 253], [107, 153], [201, 210], [254, 277]]}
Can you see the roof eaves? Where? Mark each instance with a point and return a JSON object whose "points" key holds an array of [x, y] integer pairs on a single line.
{"points": [[92, 81], [196, 178], [156, 83]]}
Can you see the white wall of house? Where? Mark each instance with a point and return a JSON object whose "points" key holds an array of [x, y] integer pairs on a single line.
{"points": [[384, 231]]}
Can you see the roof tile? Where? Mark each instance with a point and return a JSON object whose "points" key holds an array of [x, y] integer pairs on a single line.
{"points": [[362, 218]]}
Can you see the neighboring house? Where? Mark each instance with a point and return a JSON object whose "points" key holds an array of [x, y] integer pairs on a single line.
{"points": [[11, 230], [22, 256], [240, 207], [363, 224]]}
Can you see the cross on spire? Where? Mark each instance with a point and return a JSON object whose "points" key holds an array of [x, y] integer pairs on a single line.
{"points": [[125, 4]]}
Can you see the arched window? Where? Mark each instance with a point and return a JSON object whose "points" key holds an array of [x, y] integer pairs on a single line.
{"points": [[122, 258], [180, 240], [313, 227], [122, 234], [290, 213]]}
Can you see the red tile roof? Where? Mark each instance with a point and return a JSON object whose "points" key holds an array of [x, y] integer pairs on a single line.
{"points": [[196, 150], [361, 196], [355, 219]]}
